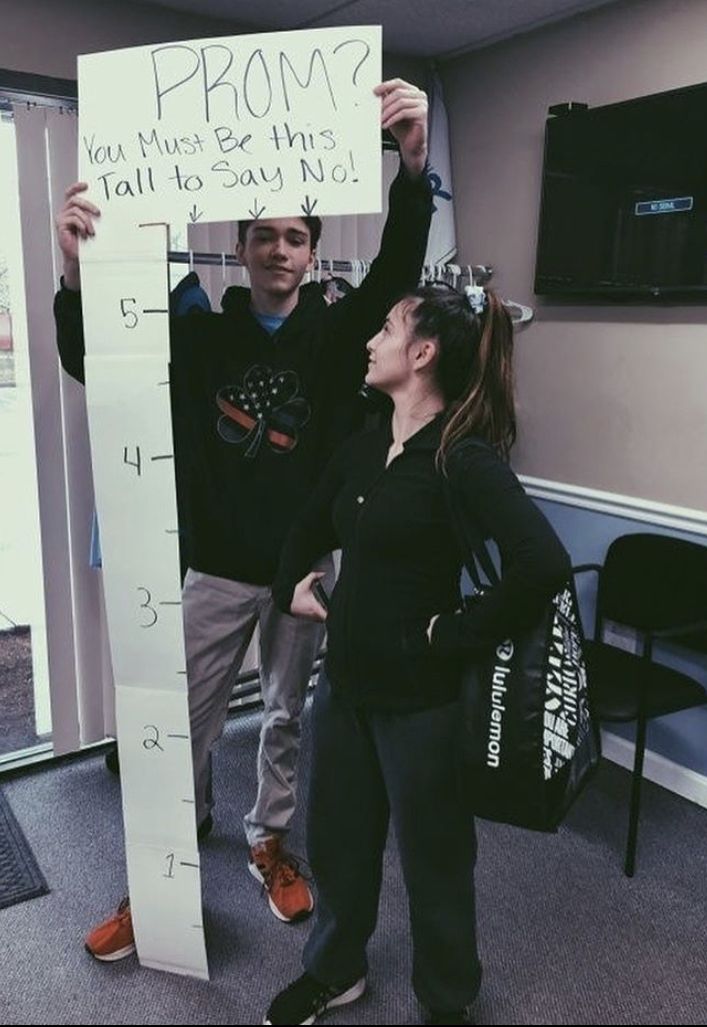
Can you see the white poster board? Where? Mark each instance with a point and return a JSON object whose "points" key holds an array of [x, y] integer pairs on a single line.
{"points": [[276, 125], [272, 125]]}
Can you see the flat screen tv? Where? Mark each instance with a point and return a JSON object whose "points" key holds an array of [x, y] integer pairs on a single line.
{"points": [[624, 199]]}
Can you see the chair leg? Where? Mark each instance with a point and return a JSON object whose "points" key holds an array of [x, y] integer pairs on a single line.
{"points": [[630, 861]]}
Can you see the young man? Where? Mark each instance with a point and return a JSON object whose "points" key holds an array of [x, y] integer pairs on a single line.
{"points": [[260, 395]]}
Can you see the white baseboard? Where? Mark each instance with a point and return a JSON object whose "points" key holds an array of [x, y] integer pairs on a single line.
{"points": [[633, 508], [680, 780]]}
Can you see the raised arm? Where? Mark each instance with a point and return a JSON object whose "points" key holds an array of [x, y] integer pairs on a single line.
{"points": [[75, 221], [404, 114], [404, 240], [535, 564], [397, 267]]}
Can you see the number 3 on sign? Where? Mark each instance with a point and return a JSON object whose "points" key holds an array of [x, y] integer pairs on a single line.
{"points": [[152, 612]]}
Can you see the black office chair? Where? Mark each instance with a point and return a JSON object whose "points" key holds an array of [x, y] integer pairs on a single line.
{"points": [[656, 585]]}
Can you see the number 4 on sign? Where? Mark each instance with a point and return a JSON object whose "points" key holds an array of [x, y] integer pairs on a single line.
{"points": [[136, 463]]}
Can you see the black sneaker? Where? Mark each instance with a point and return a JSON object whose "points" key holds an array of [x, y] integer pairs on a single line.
{"points": [[306, 998], [455, 1016]]}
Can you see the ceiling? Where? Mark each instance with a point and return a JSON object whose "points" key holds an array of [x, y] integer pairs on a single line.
{"points": [[416, 28]]}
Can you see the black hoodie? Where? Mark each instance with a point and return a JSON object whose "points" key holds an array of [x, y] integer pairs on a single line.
{"points": [[256, 416]]}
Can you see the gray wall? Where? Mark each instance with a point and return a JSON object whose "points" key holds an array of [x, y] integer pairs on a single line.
{"points": [[610, 397], [45, 36]]}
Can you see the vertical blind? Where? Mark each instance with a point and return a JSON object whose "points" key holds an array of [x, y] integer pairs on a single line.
{"points": [[82, 700], [80, 688]]}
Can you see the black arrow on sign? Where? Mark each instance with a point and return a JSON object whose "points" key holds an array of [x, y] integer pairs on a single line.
{"points": [[309, 205], [255, 211], [195, 214]]}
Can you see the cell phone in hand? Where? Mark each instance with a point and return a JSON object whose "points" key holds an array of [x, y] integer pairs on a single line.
{"points": [[320, 593]]}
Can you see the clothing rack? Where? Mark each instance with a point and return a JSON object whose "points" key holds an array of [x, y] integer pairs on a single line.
{"points": [[452, 274], [481, 272]]}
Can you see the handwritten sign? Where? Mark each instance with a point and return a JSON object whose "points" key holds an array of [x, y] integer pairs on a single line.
{"points": [[277, 125], [272, 125]]}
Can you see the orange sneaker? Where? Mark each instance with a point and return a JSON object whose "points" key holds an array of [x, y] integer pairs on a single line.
{"points": [[278, 872], [113, 939]]}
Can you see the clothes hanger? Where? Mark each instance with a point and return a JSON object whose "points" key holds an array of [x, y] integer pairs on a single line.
{"points": [[520, 313]]}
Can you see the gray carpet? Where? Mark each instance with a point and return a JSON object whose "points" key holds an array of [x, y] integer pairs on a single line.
{"points": [[20, 877], [565, 937], [16, 688]]}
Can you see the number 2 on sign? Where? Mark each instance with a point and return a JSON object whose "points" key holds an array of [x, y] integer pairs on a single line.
{"points": [[152, 742]]}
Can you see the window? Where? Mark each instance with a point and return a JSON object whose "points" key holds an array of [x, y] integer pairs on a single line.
{"points": [[24, 673]]}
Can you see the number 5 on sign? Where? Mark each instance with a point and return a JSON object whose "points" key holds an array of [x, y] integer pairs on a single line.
{"points": [[127, 293]]}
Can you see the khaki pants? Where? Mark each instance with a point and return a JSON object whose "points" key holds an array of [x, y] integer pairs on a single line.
{"points": [[220, 616]]}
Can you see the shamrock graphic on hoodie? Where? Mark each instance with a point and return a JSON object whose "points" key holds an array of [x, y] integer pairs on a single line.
{"points": [[266, 406]]}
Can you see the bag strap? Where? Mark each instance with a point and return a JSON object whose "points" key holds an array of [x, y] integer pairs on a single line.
{"points": [[471, 541]]}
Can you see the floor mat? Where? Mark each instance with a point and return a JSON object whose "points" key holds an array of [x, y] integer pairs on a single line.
{"points": [[20, 877]]}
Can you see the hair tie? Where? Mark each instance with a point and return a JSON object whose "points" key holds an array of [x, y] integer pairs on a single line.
{"points": [[476, 297]]}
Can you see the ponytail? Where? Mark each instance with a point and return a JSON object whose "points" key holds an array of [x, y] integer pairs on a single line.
{"points": [[486, 406], [474, 367]]}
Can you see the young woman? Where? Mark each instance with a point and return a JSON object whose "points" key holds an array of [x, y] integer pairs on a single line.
{"points": [[386, 709]]}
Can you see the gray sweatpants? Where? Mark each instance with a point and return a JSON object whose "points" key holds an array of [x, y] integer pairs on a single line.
{"points": [[369, 767], [220, 616]]}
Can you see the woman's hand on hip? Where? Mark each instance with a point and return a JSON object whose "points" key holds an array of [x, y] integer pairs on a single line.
{"points": [[304, 602]]}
